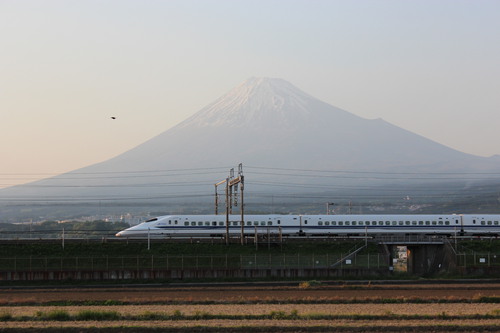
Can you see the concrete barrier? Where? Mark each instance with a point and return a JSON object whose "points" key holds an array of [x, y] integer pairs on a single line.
{"points": [[191, 274]]}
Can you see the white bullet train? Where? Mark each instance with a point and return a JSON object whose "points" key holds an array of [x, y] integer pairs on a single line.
{"points": [[171, 226]]}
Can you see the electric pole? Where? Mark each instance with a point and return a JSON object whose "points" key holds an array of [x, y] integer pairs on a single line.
{"points": [[232, 184]]}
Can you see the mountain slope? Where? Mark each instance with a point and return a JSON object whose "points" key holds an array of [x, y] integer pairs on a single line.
{"points": [[270, 122], [263, 122]]}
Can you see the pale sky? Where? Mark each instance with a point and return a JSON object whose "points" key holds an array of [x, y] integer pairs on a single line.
{"points": [[431, 67]]}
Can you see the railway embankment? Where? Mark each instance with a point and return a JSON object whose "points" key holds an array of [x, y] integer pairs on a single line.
{"points": [[171, 261]]}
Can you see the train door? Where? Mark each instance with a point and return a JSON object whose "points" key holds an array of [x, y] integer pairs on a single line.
{"points": [[301, 222], [461, 225]]}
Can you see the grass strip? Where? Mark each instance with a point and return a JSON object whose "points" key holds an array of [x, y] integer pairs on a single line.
{"points": [[87, 315], [410, 300], [264, 329]]}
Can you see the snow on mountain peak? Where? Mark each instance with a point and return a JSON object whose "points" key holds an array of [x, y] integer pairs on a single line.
{"points": [[257, 101]]}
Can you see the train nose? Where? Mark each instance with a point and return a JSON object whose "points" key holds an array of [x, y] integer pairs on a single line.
{"points": [[119, 234]]}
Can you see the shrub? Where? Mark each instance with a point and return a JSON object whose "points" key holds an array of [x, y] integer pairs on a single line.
{"points": [[57, 315], [309, 284], [148, 315], [294, 314], [5, 316], [495, 312], [97, 315], [278, 315], [177, 314]]}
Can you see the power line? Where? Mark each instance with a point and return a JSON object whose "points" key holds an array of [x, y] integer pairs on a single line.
{"points": [[389, 176], [374, 172], [62, 178], [116, 172]]}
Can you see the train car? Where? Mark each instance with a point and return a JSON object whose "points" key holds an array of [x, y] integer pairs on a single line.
{"points": [[315, 225], [482, 224]]}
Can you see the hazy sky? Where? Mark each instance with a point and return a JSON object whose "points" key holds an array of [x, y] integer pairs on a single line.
{"points": [[431, 67]]}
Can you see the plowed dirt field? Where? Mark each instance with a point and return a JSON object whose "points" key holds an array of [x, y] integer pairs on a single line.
{"points": [[467, 307], [234, 294]]}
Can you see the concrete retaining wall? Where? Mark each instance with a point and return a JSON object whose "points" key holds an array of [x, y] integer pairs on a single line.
{"points": [[179, 274]]}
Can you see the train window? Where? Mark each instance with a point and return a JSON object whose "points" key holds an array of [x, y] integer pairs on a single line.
{"points": [[249, 223], [434, 222], [427, 222], [320, 223], [235, 223], [407, 222], [496, 222], [193, 223], [341, 223], [374, 222], [456, 221], [169, 222], [221, 223], [269, 223], [474, 221], [305, 221], [214, 223], [175, 221], [447, 222], [394, 222], [489, 223], [347, 223], [328, 222], [279, 221], [387, 222], [354, 223], [186, 223], [401, 223], [420, 222], [440, 222], [380, 222], [263, 223], [482, 222], [207, 223], [200, 223], [255, 223], [413, 222]]}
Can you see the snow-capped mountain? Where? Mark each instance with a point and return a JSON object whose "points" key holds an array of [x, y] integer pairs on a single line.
{"points": [[260, 103], [263, 122]]}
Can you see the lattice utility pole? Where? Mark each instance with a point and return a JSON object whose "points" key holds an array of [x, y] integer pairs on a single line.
{"points": [[232, 184], [240, 180]]}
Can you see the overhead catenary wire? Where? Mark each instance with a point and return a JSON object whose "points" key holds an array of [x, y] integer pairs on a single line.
{"points": [[197, 178], [206, 181], [190, 171], [120, 172], [368, 171]]}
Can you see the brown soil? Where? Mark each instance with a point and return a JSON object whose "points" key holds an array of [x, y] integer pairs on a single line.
{"points": [[235, 297], [239, 294]]}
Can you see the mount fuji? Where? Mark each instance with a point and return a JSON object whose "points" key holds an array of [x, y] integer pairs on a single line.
{"points": [[269, 122], [263, 122]]}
